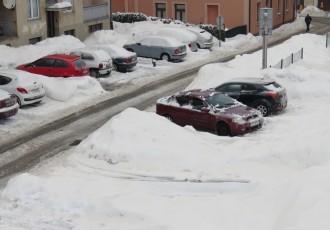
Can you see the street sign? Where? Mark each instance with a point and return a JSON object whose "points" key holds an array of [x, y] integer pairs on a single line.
{"points": [[266, 21], [220, 22]]}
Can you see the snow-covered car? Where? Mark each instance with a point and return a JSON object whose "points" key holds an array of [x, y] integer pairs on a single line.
{"points": [[98, 61], [158, 47], [26, 87], [204, 38], [210, 110], [122, 59], [8, 105], [187, 37]]}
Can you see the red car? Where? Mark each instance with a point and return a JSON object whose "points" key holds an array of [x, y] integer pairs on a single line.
{"points": [[57, 65], [8, 105], [210, 110]]}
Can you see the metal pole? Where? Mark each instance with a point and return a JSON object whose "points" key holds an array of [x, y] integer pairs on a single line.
{"points": [[111, 22], [265, 41]]}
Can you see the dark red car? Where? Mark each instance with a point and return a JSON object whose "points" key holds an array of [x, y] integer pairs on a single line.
{"points": [[57, 65], [8, 105], [211, 111]]}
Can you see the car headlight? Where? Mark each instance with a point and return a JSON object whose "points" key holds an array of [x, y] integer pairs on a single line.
{"points": [[239, 120]]}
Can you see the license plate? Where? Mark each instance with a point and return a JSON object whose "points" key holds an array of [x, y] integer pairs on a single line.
{"points": [[254, 123], [35, 91]]}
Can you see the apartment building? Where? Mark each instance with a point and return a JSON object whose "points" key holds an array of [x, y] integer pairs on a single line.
{"points": [[235, 13], [29, 21]]}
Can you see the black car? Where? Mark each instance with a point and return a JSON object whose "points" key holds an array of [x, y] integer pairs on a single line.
{"points": [[264, 94]]}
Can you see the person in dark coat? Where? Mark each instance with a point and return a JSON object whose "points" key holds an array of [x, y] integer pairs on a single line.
{"points": [[308, 20]]}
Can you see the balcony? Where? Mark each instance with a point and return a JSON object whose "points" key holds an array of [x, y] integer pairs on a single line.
{"points": [[96, 12]]}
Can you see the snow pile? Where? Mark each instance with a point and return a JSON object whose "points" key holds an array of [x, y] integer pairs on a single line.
{"points": [[313, 11]]}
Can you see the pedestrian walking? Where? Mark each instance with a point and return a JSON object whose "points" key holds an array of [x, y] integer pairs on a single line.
{"points": [[308, 20]]}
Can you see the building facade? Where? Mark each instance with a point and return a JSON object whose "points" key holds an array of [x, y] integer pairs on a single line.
{"points": [[30, 21], [235, 13]]}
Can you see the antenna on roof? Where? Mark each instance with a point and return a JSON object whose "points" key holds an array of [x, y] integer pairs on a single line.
{"points": [[9, 4]]}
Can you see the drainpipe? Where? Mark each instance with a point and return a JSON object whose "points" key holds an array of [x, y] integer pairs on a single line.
{"points": [[284, 12], [111, 22], [250, 16]]}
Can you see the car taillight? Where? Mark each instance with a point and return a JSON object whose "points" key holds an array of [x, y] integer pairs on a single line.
{"points": [[177, 51], [100, 66], [127, 60], [22, 90], [273, 95]]}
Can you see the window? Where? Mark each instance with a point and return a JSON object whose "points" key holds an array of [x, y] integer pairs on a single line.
{"points": [[70, 32], [95, 27], [33, 9], [180, 12], [60, 64], [161, 10], [287, 5], [33, 41], [197, 104], [44, 62], [4, 80], [230, 88]]}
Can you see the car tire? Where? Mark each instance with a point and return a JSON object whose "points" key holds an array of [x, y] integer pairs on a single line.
{"points": [[94, 73], [115, 67], [223, 129], [165, 57], [168, 117], [263, 107], [18, 101]]}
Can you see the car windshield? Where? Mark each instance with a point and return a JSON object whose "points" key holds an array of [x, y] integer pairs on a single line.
{"points": [[220, 100], [79, 63]]}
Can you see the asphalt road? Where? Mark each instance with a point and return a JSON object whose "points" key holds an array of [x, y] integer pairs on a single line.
{"points": [[66, 132]]}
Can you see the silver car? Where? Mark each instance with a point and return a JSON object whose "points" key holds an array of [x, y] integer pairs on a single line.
{"points": [[189, 38], [204, 38], [164, 48]]}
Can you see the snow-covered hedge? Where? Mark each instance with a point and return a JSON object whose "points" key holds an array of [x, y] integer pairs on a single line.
{"points": [[128, 17]]}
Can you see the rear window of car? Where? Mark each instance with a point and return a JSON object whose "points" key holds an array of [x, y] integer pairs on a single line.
{"points": [[79, 63], [273, 86]]}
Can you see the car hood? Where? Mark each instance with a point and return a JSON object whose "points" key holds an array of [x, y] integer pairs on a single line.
{"points": [[241, 110]]}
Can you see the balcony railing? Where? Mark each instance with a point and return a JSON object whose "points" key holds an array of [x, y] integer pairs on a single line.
{"points": [[95, 12]]}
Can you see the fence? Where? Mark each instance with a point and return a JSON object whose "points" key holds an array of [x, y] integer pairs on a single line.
{"points": [[289, 60], [327, 42]]}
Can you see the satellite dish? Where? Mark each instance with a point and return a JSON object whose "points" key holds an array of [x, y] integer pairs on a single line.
{"points": [[9, 4]]}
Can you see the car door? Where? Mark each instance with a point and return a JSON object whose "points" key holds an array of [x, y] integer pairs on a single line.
{"points": [[180, 113], [43, 66], [199, 116], [231, 89], [61, 69], [248, 94]]}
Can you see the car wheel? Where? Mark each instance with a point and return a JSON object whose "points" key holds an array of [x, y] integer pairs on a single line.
{"points": [[223, 129], [165, 57], [94, 73], [168, 117], [115, 67], [18, 101], [262, 107]]}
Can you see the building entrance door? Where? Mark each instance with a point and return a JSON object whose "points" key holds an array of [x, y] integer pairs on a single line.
{"points": [[212, 13], [50, 24]]}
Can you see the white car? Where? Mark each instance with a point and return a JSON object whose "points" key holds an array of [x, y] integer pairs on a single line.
{"points": [[122, 59], [98, 61], [189, 38], [25, 86], [204, 38]]}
